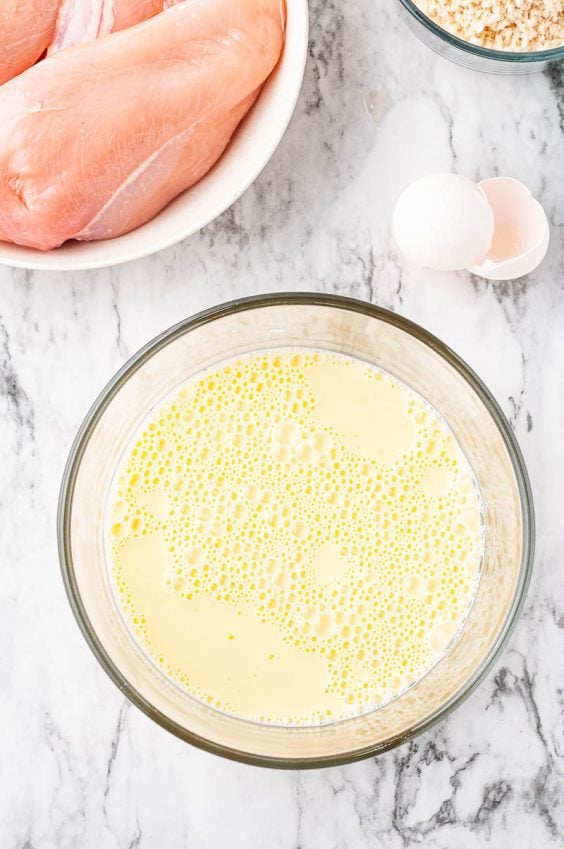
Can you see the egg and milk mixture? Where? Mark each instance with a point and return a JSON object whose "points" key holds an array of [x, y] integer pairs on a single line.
{"points": [[294, 536]]}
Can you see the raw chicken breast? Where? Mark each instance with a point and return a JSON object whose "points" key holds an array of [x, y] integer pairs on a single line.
{"points": [[85, 20], [94, 141], [26, 28]]}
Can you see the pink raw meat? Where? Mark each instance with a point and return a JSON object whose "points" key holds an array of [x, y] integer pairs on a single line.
{"points": [[85, 20], [26, 28], [95, 140]]}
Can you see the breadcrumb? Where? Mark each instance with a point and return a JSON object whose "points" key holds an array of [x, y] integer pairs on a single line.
{"points": [[515, 25]]}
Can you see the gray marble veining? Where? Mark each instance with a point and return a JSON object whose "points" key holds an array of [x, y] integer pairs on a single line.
{"points": [[81, 768]]}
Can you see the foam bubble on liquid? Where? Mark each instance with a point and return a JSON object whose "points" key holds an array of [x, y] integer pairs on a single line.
{"points": [[318, 495]]}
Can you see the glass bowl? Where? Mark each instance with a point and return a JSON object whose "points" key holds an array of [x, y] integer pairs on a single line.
{"points": [[359, 330], [472, 55]]}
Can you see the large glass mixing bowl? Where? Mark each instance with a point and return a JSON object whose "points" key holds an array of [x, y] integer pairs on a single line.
{"points": [[349, 327]]}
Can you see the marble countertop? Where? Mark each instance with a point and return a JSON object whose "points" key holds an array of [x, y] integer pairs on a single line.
{"points": [[82, 768]]}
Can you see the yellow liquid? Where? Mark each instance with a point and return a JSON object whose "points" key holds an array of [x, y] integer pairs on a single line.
{"points": [[295, 537]]}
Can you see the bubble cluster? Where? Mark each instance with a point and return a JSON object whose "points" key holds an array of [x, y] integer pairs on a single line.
{"points": [[247, 476]]}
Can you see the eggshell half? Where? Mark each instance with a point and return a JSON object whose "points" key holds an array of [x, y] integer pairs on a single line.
{"points": [[443, 221], [521, 231]]}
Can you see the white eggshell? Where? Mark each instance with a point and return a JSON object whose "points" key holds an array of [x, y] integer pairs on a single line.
{"points": [[521, 231], [443, 221]]}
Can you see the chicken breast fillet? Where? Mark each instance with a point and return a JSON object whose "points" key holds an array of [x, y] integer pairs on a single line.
{"points": [[26, 29], [95, 140], [85, 20]]}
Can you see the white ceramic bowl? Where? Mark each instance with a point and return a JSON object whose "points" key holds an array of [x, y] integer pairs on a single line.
{"points": [[248, 153]]}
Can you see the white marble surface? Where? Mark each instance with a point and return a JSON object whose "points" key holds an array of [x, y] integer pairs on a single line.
{"points": [[81, 768]]}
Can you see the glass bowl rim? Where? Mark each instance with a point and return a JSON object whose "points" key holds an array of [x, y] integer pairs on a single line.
{"points": [[552, 54], [243, 305]]}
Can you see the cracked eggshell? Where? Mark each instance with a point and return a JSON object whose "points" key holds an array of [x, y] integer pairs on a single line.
{"points": [[443, 221], [521, 231]]}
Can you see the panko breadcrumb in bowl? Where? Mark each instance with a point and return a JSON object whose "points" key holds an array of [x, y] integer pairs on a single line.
{"points": [[496, 36]]}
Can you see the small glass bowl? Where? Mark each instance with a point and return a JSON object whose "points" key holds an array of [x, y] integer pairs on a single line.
{"points": [[472, 55], [359, 330]]}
